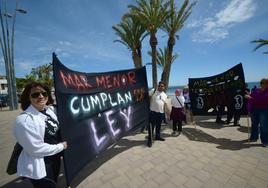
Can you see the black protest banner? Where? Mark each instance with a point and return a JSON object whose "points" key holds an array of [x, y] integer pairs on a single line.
{"points": [[96, 109], [208, 94]]}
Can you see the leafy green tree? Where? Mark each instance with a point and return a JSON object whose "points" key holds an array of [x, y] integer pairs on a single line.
{"points": [[20, 83], [151, 14], [261, 42], [131, 34], [43, 74], [172, 25]]}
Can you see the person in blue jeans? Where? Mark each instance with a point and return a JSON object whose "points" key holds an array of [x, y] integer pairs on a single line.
{"points": [[258, 108]]}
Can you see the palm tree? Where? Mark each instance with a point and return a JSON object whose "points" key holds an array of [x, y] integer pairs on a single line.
{"points": [[163, 59], [261, 42], [131, 35], [171, 26], [43, 73], [151, 14], [22, 82]]}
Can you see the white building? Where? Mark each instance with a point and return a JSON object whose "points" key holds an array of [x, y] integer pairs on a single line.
{"points": [[3, 84]]}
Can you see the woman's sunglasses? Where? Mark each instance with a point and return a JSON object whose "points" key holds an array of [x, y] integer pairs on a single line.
{"points": [[37, 94]]}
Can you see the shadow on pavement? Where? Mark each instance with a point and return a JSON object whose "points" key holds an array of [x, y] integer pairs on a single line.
{"points": [[25, 183], [121, 146], [211, 125], [223, 143], [18, 183], [203, 118], [244, 129]]}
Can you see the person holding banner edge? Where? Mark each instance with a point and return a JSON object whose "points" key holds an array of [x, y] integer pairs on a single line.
{"points": [[37, 130], [157, 111]]}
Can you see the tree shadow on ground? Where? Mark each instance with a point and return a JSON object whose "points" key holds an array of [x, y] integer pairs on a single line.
{"points": [[223, 143]]}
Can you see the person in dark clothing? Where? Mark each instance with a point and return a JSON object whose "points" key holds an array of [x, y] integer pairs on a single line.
{"points": [[220, 111], [233, 113], [219, 100]]}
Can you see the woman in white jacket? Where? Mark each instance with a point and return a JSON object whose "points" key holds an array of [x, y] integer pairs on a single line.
{"points": [[37, 130]]}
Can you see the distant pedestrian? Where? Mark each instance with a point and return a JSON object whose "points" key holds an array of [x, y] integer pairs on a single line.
{"points": [[247, 90], [187, 103], [254, 88], [233, 112], [37, 131], [177, 112], [258, 108]]}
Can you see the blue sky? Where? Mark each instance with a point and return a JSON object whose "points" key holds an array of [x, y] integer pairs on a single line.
{"points": [[216, 37]]}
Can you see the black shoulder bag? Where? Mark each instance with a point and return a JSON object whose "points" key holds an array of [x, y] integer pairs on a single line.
{"points": [[13, 161]]}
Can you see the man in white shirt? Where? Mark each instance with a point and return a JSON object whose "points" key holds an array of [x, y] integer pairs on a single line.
{"points": [[157, 105]]}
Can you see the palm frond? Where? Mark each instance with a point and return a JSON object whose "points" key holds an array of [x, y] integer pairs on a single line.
{"points": [[162, 57], [130, 32], [262, 42]]}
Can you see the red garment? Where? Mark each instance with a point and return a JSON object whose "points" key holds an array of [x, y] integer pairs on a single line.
{"points": [[177, 114]]}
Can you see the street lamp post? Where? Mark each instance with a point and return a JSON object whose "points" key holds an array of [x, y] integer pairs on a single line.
{"points": [[7, 46]]}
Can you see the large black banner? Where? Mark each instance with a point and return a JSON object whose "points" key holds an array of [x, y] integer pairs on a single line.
{"points": [[224, 90], [96, 109]]}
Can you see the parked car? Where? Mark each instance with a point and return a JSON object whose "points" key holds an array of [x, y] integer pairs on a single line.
{"points": [[19, 97], [3, 100]]}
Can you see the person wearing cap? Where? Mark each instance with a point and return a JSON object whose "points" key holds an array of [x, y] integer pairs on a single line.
{"points": [[177, 112]]}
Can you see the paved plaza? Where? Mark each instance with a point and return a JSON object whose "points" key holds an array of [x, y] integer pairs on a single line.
{"points": [[208, 155]]}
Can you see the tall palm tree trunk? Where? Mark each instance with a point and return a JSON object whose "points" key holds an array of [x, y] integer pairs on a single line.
{"points": [[136, 59], [153, 43], [166, 71], [139, 56]]}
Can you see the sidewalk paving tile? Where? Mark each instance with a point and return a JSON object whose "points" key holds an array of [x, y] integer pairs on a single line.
{"points": [[208, 156]]}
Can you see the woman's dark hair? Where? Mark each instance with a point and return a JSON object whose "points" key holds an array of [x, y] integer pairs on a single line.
{"points": [[25, 96], [161, 82], [263, 81]]}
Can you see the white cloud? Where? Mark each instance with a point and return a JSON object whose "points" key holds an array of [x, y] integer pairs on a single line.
{"points": [[65, 43], [194, 24], [210, 4], [25, 66], [43, 49], [235, 12], [217, 27]]}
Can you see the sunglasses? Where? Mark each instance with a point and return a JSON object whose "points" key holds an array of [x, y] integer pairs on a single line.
{"points": [[37, 94]]}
